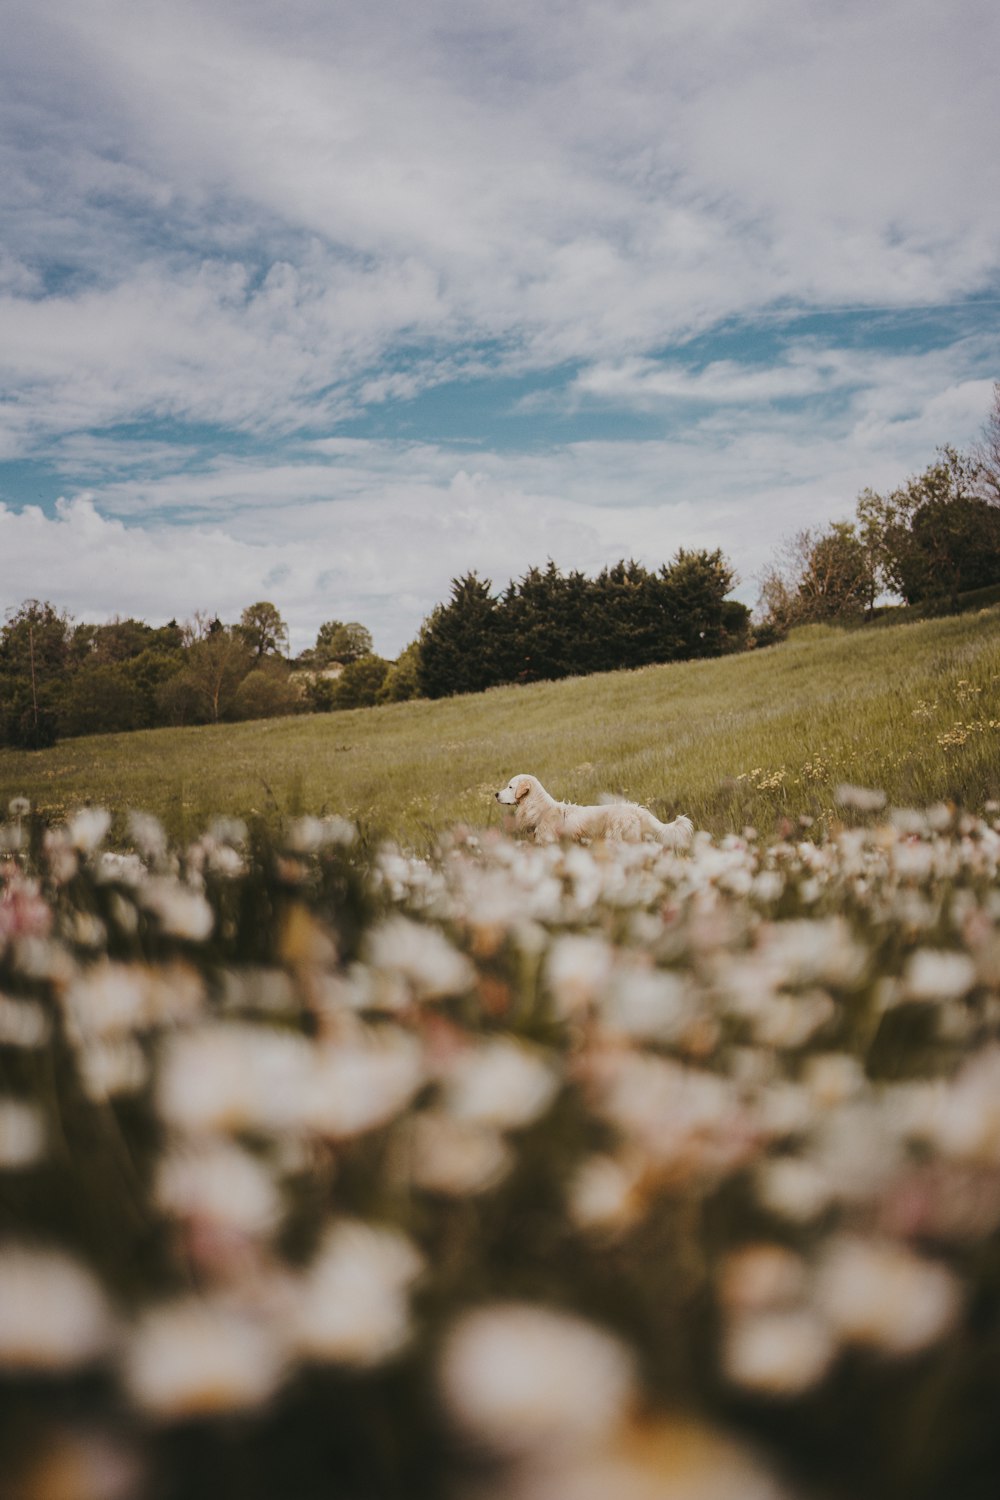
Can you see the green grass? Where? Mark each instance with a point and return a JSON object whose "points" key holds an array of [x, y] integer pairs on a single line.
{"points": [[746, 739]]}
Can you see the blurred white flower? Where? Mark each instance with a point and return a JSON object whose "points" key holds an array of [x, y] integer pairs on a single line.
{"points": [[603, 1193], [148, 835], [88, 827], [881, 1295], [422, 955], [521, 1379], [780, 1352], [53, 1314], [181, 911], [861, 798], [456, 1157], [200, 1358], [833, 1077], [23, 1023], [216, 1182], [361, 1083], [19, 807], [351, 1305], [967, 1124], [22, 1133], [794, 1187], [234, 1077], [108, 1068], [937, 974], [307, 835], [649, 1004], [577, 969], [499, 1082], [762, 1275], [107, 1000]]}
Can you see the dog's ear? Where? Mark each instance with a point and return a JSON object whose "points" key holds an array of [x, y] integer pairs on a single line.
{"points": [[522, 791]]}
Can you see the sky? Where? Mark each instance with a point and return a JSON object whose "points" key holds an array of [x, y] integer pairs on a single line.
{"points": [[327, 303]]}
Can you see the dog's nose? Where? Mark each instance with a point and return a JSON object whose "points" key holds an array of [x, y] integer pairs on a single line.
{"points": [[497, 796]]}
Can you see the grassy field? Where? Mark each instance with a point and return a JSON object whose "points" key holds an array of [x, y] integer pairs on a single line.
{"points": [[913, 709]]}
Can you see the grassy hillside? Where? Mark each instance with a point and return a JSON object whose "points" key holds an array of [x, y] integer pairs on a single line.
{"points": [[911, 708]]}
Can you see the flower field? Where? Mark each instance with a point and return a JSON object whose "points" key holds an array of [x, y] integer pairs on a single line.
{"points": [[508, 1172]]}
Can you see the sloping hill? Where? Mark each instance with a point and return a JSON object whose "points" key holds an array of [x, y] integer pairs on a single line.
{"points": [[911, 708]]}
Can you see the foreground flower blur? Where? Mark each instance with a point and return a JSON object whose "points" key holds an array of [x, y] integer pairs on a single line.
{"points": [[578, 1171]]}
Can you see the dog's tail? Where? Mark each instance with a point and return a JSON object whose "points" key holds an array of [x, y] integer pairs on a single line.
{"points": [[675, 835]]}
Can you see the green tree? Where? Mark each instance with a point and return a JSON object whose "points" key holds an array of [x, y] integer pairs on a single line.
{"points": [[935, 537], [360, 683], [263, 630], [34, 654], [266, 694], [337, 641], [402, 681], [458, 643]]}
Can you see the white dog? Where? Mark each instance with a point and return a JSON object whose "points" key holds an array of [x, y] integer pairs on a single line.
{"points": [[537, 813]]}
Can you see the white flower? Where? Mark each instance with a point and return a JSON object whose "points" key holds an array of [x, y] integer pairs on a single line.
{"points": [[863, 798], [19, 807], [935, 974], [649, 1004], [22, 1133], [762, 1276], [967, 1124], [422, 955], [147, 833], [882, 1295], [181, 911], [499, 1083], [107, 1000], [23, 1023], [577, 969], [220, 1183], [53, 1314], [360, 1084], [196, 1358], [794, 1187], [112, 1067], [523, 1379], [779, 1352], [351, 1306], [456, 1157], [307, 835], [603, 1194], [88, 827], [235, 1077]]}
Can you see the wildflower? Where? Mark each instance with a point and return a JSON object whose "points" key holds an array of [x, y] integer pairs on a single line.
{"points": [[22, 1134], [181, 911], [422, 955], [780, 1352], [577, 969], [53, 1314], [234, 1077], [762, 1276], [500, 1083], [361, 1084], [456, 1157], [522, 1379], [968, 1118], [649, 1004], [307, 835], [861, 798], [112, 1067], [194, 1358], [88, 827], [934, 974], [23, 1023], [794, 1187], [148, 835], [108, 999], [604, 1193], [883, 1296], [19, 807], [351, 1305], [219, 1183]]}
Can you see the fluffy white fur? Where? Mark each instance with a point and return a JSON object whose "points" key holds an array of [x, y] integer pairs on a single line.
{"points": [[547, 820]]}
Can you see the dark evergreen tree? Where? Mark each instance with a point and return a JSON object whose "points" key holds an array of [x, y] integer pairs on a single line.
{"points": [[458, 644]]}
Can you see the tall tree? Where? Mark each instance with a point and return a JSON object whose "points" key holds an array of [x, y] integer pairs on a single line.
{"points": [[458, 643], [263, 630], [342, 642]]}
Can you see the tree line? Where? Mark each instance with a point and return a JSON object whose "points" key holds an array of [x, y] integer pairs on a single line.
{"points": [[927, 542]]}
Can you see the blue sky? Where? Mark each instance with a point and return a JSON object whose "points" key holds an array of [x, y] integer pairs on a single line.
{"points": [[326, 303]]}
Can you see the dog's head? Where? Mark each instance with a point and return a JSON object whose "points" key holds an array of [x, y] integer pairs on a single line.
{"points": [[517, 788]]}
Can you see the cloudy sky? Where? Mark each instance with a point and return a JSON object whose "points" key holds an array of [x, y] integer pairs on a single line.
{"points": [[327, 301]]}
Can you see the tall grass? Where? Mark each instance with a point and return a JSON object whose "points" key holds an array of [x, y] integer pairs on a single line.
{"points": [[910, 708]]}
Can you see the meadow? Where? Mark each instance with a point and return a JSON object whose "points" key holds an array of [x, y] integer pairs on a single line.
{"points": [[349, 1146], [747, 739]]}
